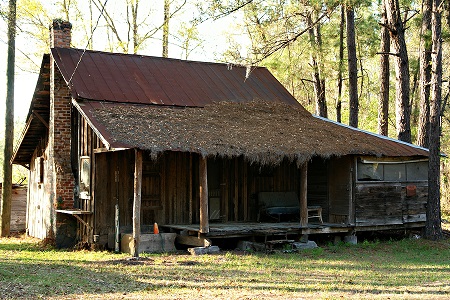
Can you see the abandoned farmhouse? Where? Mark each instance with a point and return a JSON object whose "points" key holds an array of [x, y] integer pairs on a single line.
{"points": [[117, 142]]}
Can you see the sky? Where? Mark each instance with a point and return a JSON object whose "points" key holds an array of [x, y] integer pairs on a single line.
{"points": [[213, 34]]}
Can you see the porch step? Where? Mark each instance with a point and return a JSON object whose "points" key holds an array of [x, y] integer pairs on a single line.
{"points": [[270, 244], [277, 242]]}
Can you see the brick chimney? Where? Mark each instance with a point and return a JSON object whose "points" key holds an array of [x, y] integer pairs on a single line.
{"points": [[61, 179], [60, 34]]}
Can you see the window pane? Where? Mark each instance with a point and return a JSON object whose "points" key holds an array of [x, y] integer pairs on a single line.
{"points": [[369, 172], [394, 172], [417, 171]]}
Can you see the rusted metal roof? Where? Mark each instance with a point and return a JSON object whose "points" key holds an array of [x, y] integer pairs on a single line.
{"points": [[142, 79], [262, 132]]}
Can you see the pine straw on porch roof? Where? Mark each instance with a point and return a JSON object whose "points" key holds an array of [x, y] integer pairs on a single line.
{"points": [[262, 132]]}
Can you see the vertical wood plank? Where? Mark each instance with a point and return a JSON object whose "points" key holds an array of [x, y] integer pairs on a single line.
{"points": [[225, 164], [244, 189], [190, 188], [236, 189], [204, 218], [137, 201], [303, 194]]}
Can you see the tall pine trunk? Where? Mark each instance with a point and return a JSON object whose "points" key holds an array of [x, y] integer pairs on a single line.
{"points": [[397, 33], [425, 75], [352, 68], [165, 46], [383, 107], [341, 66], [9, 123], [433, 228], [319, 82]]}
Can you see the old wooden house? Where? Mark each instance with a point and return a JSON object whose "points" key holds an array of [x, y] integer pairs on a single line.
{"points": [[115, 143]]}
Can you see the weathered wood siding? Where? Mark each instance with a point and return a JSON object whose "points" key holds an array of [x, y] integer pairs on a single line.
{"points": [[387, 203], [18, 207], [378, 204], [87, 143], [39, 202], [114, 173], [414, 207]]}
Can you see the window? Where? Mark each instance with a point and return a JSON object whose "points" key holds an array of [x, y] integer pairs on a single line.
{"points": [[39, 167], [85, 174], [398, 171]]}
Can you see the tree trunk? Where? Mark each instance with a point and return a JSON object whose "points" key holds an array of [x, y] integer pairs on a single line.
{"points": [[425, 75], [136, 41], [352, 68], [137, 201], [397, 33], [383, 108], [165, 49], [433, 228], [9, 123], [341, 66], [319, 82]]}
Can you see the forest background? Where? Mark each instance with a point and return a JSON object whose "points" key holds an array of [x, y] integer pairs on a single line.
{"points": [[303, 43]]}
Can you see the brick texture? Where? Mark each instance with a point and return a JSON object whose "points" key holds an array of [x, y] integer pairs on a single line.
{"points": [[60, 123]]}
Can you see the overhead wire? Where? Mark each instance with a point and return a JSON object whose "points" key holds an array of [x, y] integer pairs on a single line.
{"points": [[89, 40]]}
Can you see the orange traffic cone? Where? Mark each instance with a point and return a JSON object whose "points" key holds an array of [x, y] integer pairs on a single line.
{"points": [[155, 228]]}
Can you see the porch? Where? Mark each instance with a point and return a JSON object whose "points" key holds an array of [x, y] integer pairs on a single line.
{"points": [[189, 234], [248, 229]]}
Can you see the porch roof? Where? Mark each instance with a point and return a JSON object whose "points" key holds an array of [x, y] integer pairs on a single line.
{"points": [[263, 132], [37, 122]]}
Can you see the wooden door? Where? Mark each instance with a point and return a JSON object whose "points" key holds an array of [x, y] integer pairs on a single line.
{"points": [[340, 190], [151, 201]]}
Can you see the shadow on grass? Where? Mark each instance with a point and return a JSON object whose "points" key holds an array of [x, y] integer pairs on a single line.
{"points": [[286, 274]]}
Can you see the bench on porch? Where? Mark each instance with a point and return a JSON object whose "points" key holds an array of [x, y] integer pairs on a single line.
{"points": [[278, 204]]}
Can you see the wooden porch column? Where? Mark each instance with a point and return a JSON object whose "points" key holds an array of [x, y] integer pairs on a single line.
{"points": [[303, 194], [137, 201], [203, 173]]}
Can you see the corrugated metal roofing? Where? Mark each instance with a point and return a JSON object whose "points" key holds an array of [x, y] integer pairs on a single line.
{"points": [[142, 79]]}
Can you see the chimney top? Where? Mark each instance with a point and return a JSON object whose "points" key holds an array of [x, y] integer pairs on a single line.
{"points": [[60, 24], [60, 34]]}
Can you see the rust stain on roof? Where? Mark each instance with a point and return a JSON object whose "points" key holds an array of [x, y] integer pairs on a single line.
{"points": [[141, 79]]}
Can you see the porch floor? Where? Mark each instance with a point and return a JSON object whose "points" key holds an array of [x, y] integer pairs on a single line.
{"points": [[236, 229]]}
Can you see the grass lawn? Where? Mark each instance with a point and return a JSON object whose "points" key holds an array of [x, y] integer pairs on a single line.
{"points": [[402, 269]]}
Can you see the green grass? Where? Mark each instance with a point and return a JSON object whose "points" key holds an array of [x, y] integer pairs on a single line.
{"points": [[404, 269]]}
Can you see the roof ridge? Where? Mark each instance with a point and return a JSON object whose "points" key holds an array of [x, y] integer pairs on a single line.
{"points": [[163, 58]]}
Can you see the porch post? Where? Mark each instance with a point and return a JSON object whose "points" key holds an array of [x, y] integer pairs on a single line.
{"points": [[303, 194], [204, 217], [137, 202]]}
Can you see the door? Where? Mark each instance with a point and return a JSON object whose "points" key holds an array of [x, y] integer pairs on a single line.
{"points": [[340, 193]]}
